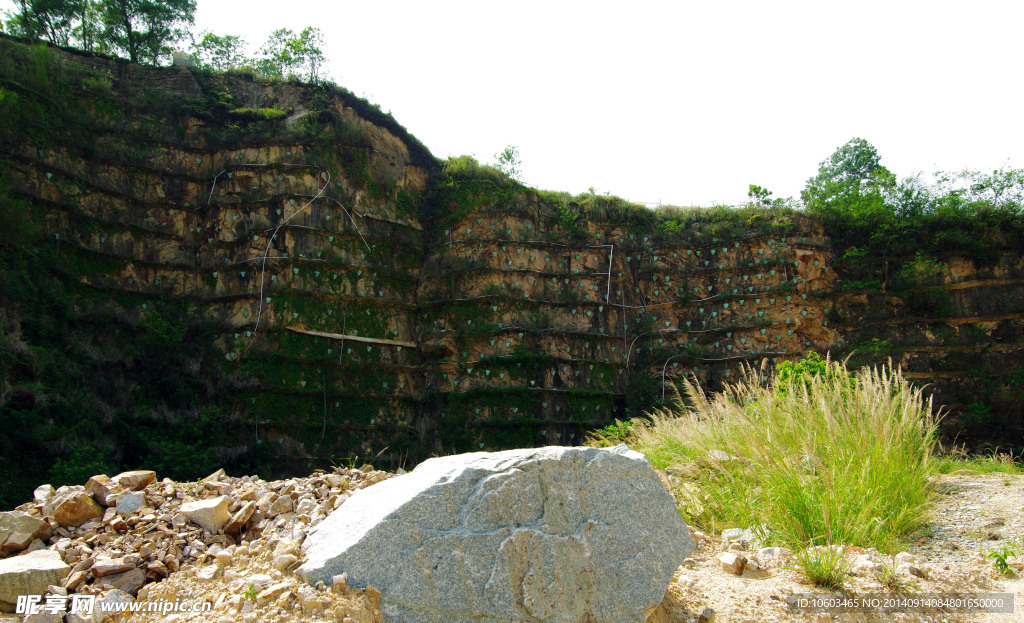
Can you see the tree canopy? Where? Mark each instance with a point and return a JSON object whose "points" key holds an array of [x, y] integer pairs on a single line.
{"points": [[863, 205], [142, 30], [145, 29], [286, 54], [508, 162], [219, 52], [55, 21], [852, 172]]}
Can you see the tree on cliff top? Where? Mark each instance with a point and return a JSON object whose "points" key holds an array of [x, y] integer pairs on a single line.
{"points": [[849, 194], [508, 162], [51, 20], [145, 29], [852, 173], [286, 54], [219, 52]]}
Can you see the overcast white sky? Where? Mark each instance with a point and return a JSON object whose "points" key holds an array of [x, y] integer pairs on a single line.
{"points": [[677, 102]]}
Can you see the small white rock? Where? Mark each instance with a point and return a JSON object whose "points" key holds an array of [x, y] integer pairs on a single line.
{"points": [[906, 557], [774, 552], [285, 561], [732, 562]]}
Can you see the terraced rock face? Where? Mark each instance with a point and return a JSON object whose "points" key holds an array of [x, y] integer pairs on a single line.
{"points": [[954, 323], [204, 271], [540, 330], [180, 243]]}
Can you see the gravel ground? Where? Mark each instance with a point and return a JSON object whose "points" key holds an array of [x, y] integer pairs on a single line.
{"points": [[973, 515]]}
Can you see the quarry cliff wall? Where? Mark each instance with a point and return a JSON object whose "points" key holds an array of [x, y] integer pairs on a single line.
{"points": [[278, 275]]}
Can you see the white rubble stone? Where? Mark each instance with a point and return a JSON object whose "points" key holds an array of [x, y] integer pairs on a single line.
{"points": [[746, 537], [135, 480], [282, 504], [18, 529], [42, 493], [305, 506], [100, 487], [732, 562], [867, 567], [29, 574], [211, 513], [774, 552], [215, 476], [552, 534], [335, 480], [208, 572], [104, 566], [129, 501], [284, 561]]}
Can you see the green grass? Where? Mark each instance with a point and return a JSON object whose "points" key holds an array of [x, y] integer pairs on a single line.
{"points": [[827, 567], [894, 581], [819, 454], [995, 463]]}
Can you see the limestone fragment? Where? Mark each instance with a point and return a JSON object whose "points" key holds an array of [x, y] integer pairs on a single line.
{"points": [[211, 513], [130, 581], [129, 501], [240, 518], [72, 508], [135, 480], [42, 493], [282, 504], [733, 562], [100, 487], [285, 561], [105, 565], [29, 574], [17, 530], [774, 552]]}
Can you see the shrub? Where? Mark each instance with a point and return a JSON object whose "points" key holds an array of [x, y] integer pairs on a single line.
{"points": [[612, 435], [259, 114]]}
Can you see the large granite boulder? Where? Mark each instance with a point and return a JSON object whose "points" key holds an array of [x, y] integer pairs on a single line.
{"points": [[552, 534]]}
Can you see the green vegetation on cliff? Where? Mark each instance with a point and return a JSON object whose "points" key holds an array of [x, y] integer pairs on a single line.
{"points": [[870, 213], [943, 250]]}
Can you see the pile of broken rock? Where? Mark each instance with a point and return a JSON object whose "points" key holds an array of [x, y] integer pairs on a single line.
{"points": [[115, 536], [549, 534]]}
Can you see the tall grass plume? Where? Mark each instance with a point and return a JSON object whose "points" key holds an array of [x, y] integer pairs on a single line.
{"points": [[816, 453]]}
